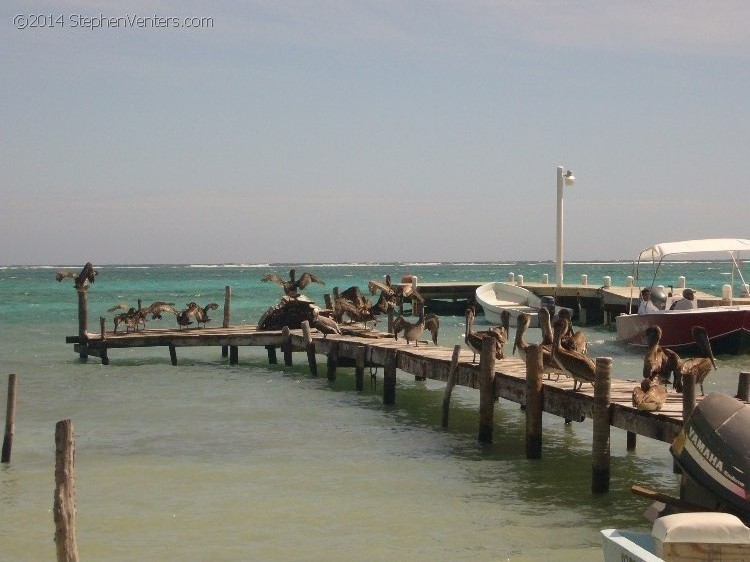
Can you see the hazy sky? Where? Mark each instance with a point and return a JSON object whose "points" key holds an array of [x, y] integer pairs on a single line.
{"points": [[369, 131]]}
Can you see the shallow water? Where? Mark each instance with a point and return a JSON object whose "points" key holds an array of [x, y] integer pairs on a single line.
{"points": [[207, 461]]}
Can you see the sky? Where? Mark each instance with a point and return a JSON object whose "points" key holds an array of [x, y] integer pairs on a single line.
{"points": [[367, 131]]}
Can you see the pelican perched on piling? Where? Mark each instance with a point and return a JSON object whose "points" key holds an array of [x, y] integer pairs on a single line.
{"points": [[474, 339], [649, 395], [573, 364], [292, 286]]}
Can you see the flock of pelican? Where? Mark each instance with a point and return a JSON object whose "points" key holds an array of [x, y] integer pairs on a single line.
{"points": [[564, 351], [133, 317]]}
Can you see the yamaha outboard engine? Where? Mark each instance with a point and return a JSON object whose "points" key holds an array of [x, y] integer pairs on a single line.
{"points": [[713, 451], [549, 303], [658, 297]]}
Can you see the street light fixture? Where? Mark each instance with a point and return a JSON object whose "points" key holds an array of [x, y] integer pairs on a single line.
{"points": [[563, 178]]}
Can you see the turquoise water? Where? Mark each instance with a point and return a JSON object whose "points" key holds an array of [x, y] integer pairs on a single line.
{"points": [[211, 461]]}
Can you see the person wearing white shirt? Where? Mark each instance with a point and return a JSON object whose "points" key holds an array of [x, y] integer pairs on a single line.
{"points": [[687, 301], [646, 306]]}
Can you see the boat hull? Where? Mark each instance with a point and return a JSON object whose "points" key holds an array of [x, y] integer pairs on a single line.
{"points": [[496, 297], [728, 328]]}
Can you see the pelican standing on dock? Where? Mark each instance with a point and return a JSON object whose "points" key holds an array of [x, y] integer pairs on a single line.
{"points": [[474, 339], [324, 324], [573, 364], [698, 367], [413, 331]]}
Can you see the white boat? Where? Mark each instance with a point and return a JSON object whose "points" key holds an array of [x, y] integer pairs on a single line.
{"points": [[728, 325], [498, 296], [703, 536]]}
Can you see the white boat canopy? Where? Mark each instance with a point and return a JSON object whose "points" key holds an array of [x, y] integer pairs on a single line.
{"points": [[659, 251]]}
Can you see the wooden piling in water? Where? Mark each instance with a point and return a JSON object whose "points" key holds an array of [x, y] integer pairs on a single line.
{"points": [[390, 319], [332, 361], [271, 351], [632, 439], [83, 318], [286, 346], [327, 300], [227, 315], [65, 493], [600, 453], [743, 386], [449, 384], [233, 355], [534, 401], [389, 377], [309, 348], [359, 368], [173, 354], [487, 389], [10, 419]]}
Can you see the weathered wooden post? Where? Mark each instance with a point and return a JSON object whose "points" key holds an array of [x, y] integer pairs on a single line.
{"points": [[449, 384], [359, 368], [83, 319], [389, 376], [631, 440], [534, 401], [227, 315], [688, 405], [286, 346], [103, 352], [327, 300], [743, 386], [600, 454], [10, 419], [65, 493], [332, 360], [102, 327], [390, 319], [173, 354], [487, 389], [233, 355], [271, 351], [310, 348], [416, 304]]}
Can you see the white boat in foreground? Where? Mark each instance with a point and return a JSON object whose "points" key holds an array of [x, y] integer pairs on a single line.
{"points": [[498, 296], [704, 536]]}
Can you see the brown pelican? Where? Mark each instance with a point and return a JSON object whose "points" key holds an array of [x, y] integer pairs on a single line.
{"points": [[548, 363], [87, 274], [573, 364], [546, 326], [183, 316], [699, 367], [413, 331], [658, 363], [201, 313], [396, 293], [649, 395], [292, 286], [324, 324], [474, 339], [132, 317], [156, 309], [575, 341]]}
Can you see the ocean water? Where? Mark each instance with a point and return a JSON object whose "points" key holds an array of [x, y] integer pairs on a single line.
{"points": [[211, 461]]}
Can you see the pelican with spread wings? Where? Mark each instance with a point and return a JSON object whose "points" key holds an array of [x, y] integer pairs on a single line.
{"points": [[292, 286]]}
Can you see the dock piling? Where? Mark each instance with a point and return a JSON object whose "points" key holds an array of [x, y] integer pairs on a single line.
{"points": [[600, 454], [534, 402], [389, 377], [173, 354], [332, 360], [487, 389], [10, 419], [227, 314], [309, 348], [450, 383], [233, 355], [65, 493], [286, 346], [271, 351], [359, 369], [743, 386]]}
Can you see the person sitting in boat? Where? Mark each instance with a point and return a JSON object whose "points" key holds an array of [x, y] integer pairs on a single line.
{"points": [[687, 302], [647, 306]]}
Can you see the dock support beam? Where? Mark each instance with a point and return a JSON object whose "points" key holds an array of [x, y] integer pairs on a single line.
{"points": [[286, 346], [227, 314], [487, 389], [534, 402], [600, 454], [450, 383], [233, 355], [173, 354], [64, 510], [359, 368], [332, 361], [310, 348], [743, 386], [83, 319], [271, 350], [389, 377], [10, 419], [632, 439]]}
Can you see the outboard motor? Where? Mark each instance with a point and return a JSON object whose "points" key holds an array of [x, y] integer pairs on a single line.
{"points": [[549, 303], [713, 451], [658, 297]]}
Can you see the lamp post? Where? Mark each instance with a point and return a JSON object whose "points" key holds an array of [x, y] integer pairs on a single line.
{"points": [[563, 178]]}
